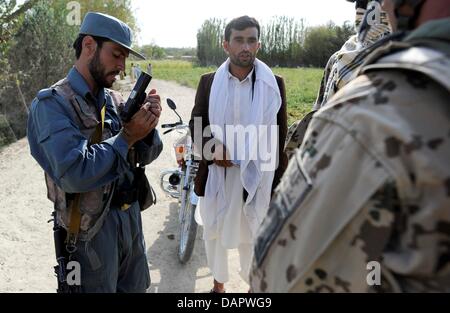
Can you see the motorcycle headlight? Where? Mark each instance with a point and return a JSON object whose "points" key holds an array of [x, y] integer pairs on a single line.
{"points": [[174, 179]]}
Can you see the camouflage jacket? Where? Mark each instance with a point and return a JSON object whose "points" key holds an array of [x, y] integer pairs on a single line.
{"points": [[368, 192]]}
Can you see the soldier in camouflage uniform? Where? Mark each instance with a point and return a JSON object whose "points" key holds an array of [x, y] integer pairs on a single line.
{"points": [[343, 65], [368, 192]]}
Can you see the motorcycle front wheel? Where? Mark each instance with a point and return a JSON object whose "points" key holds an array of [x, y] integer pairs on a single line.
{"points": [[187, 228]]}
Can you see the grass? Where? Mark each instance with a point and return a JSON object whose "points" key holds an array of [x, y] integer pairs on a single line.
{"points": [[182, 72], [302, 84]]}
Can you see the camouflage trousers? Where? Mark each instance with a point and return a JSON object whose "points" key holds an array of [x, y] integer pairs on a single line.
{"points": [[115, 259]]}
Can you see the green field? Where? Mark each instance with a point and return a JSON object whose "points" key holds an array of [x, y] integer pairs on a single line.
{"points": [[301, 84]]}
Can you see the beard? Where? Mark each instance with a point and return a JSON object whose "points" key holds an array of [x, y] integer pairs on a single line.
{"points": [[245, 59], [98, 72]]}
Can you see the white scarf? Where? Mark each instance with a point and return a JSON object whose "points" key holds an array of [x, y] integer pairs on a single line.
{"points": [[255, 180]]}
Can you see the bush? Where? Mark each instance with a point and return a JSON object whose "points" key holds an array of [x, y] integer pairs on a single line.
{"points": [[6, 133], [209, 42]]}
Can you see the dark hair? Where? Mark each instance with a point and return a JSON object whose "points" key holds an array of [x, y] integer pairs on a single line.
{"points": [[78, 44], [241, 23]]}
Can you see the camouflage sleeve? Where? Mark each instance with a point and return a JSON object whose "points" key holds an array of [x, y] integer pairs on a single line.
{"points": [[352, 262], [296, 132], [333, 199], [326, 190], [313, 205]]}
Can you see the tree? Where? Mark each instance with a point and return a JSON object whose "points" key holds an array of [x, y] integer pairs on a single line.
{"points": [[322, 41], [281, 42], [153, 51], [209, 42], [318, 46], [284, 42], [40, 53], [38, 49], [120, 9], [11, 17], [179, 53]]}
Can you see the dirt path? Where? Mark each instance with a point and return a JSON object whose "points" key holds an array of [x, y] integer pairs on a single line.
{"points": [[26, 239]]}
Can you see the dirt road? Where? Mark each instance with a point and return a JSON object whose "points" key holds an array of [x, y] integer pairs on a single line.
{"points": [[26, 239]]}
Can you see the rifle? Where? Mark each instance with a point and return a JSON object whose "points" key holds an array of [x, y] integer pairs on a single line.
{"points": [[62, 258], [136, 98]]}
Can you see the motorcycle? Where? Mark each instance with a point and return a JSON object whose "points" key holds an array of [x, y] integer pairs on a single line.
{"points": [[179, 184]]}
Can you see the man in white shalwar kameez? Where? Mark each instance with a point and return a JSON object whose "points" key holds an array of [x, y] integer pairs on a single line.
{"points": [[244, 93]]}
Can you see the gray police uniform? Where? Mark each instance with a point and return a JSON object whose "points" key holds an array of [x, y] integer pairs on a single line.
{"points": [[62, 121]]}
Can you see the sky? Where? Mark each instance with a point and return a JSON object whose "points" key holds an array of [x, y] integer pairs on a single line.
{"points": [[174, 23]]}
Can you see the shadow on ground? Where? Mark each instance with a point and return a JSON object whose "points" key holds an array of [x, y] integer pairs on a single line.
{"points": [[163, 258]]}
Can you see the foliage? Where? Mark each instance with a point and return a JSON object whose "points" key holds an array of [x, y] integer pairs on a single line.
{"points": [[36, 50], [284, 42], [153, 52], [178, 53], [209, 42], [281, 42], [322, 41]]}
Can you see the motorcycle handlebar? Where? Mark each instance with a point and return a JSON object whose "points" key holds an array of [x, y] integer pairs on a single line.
{"points": [[171, 125]]}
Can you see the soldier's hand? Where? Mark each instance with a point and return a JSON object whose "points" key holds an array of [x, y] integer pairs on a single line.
{"points": [[221, 157], [155, 102], [142, 123]]}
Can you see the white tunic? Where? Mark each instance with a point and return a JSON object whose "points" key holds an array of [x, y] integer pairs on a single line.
{"points": [[231, 226]]}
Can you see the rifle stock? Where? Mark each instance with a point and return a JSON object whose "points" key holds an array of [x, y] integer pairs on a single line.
{"points": [[62, 258]]}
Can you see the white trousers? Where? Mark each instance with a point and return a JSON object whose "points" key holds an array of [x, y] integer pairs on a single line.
{"points": [[217, 257], [231, 231]]}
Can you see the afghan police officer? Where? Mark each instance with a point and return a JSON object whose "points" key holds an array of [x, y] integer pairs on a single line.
{"points": [[364, 205], [77, 137]]}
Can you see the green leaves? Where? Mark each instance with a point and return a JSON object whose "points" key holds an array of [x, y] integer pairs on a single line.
{"points": [[285, 42], [36, 51], [209, 42]]}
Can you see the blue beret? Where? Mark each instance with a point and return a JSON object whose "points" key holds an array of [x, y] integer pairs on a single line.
{"points": [[107, 26]]}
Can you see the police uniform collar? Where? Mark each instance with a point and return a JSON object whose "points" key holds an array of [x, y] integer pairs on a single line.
{"points": [[80, 86]]}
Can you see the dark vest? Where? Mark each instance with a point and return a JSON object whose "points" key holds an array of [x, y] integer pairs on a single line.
{"points": [[94, 205]]}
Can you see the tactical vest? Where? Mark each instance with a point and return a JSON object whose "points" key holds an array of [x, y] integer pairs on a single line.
{"points": [[94, 205]]}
